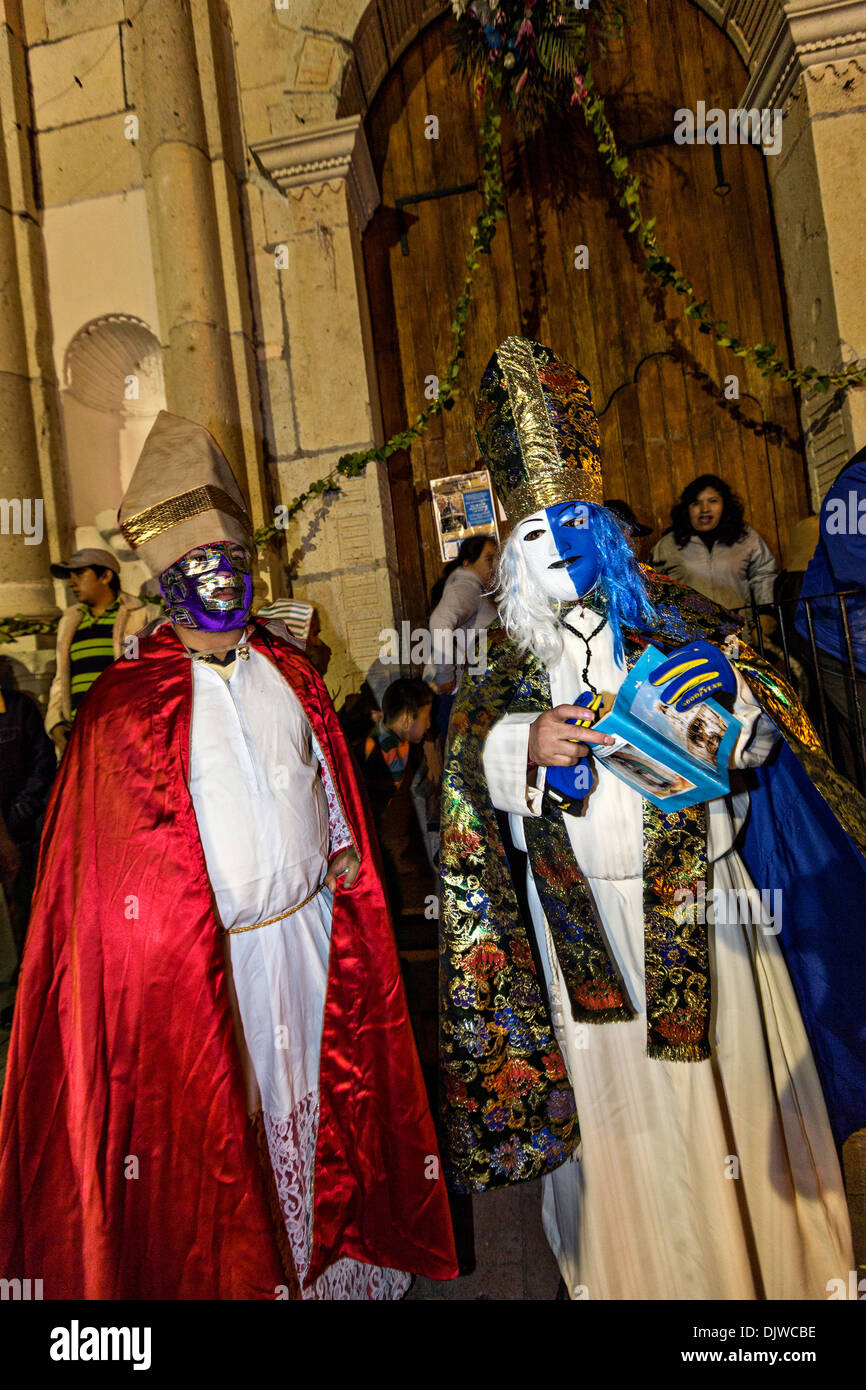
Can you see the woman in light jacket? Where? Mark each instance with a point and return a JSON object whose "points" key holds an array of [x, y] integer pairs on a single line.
{"points": [[712, 548], [460, 605]]}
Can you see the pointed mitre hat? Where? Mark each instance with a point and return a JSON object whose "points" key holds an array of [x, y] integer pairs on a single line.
{"points": [[537, 430], [181, 495]]}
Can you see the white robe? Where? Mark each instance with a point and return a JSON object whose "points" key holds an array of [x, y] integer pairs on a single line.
{"points": [[693, 1180], [262, 814]]}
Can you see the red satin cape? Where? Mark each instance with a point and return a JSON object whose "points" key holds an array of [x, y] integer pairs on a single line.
{"points": [[128, 1166]]}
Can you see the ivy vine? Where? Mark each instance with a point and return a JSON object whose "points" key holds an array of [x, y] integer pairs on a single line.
{"points": [[763, 355], [13, 628]]}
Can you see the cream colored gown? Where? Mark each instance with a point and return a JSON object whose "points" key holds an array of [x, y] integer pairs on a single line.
{"points": [[263, 815], [702, 1180]]}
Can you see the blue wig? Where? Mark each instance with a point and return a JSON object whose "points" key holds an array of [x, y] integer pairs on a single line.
{"points": [[620, 584]]}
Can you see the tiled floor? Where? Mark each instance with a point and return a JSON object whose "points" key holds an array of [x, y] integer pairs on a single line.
{"points": [[513, 1260]]}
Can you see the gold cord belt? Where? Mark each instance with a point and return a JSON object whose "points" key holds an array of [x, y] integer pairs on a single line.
{"points": [[233, 931]]}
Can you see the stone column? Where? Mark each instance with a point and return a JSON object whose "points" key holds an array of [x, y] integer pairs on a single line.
{"points": [[166, 94], [33, 496], [813, 67], [321, 378]]}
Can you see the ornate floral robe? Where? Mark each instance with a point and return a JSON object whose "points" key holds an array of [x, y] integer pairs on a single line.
{"points": [[515, 1001]]}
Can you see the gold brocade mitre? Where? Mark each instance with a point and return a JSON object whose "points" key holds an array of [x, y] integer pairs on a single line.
{"points": [[182, 494], [537, 430]]}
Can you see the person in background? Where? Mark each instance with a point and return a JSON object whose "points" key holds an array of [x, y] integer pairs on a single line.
{"points": [[27, 768], [407, 708], [90, 633], [300, 625], [839, 563], [711, 547], [461, 607], [634, 532]]}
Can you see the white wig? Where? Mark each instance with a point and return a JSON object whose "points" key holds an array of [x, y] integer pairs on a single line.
{"points": [[528, 615]]}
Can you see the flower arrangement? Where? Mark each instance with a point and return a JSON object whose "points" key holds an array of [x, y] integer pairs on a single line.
{"points": [[530, 54]]}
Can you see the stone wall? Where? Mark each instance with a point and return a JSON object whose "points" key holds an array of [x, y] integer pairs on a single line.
{"points": [[231, 225], [30, 447], [256, 294], [308, 196], [822, 250], [811, 66]]}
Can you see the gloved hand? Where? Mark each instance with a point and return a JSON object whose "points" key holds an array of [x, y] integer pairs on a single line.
{"points": [[693, 673], [569, 784]]}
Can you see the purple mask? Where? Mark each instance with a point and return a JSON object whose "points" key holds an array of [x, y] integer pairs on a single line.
{"points": [[210, 587]]}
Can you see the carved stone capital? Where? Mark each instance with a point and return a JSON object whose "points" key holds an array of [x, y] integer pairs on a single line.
{"points": [[804, 33], [324, 154]]}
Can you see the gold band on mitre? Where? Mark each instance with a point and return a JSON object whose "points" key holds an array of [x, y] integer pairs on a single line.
{"points": [[147, 525], [547, 489], [537, 430]]}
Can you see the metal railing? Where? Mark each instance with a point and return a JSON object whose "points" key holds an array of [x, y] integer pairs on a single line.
{"points": [[816, 665]]}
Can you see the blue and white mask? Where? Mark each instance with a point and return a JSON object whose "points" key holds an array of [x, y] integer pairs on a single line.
{"points": [[560, 550]]}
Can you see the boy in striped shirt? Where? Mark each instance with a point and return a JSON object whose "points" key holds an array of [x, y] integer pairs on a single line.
{"points": [[90, 634]]}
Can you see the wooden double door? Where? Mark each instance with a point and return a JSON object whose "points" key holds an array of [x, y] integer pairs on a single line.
{"points": [[662, 390]]}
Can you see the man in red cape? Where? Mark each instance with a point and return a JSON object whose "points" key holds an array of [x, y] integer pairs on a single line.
{"points": [[129, 1166]]}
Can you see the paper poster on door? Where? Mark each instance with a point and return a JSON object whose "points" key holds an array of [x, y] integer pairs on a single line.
{"points": [[463, 506]]}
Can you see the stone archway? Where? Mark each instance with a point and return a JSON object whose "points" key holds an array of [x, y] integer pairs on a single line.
{"points": [[806, 58], [380, 31], [112, 391], [795, 57], [606, 315], [113, 387]]}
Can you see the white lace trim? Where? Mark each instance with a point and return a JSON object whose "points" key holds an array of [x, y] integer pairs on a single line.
{"points": [[340, 835], [292, 1147]]}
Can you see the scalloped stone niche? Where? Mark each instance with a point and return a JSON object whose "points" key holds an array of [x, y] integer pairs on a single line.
{"points": [[112, 391]]}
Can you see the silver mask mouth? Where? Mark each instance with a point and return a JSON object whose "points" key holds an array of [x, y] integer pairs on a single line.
{"points": [[220, 594]]}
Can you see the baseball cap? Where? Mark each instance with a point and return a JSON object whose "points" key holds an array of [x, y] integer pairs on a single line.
{"points": [[96, 559]]}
